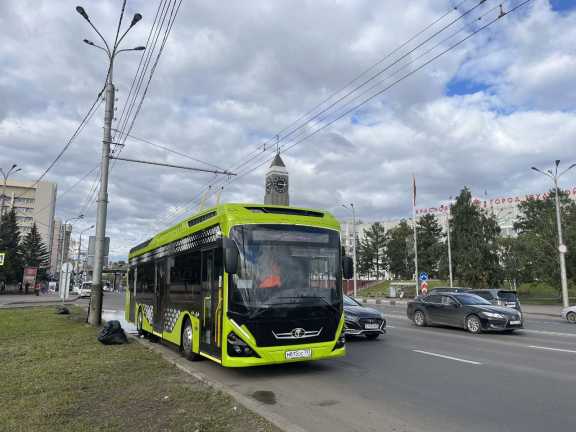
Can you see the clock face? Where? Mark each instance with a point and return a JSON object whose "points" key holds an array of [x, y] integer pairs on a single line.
{"points": [[280, 184], [269, 184]]}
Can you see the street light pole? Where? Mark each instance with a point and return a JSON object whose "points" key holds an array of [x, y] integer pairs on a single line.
{"points": [[80, 248], [561, 246], [449, 245], [95, 311], [353, 245], [5, 174]]}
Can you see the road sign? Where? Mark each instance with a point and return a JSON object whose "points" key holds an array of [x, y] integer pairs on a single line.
{"points": [[424, 287], [562, 248], [423, 276], [2, 256]]}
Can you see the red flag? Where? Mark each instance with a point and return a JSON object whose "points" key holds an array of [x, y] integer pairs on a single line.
{"points": [[413, 191]]}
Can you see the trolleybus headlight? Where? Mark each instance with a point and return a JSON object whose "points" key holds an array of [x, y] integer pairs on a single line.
{"points": [[238, 348]]}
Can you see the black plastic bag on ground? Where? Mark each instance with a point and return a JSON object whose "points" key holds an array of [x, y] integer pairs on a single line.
{"points": [[112, 334], [62, 310]]}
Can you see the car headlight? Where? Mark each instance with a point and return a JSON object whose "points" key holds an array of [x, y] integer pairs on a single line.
{"points": [[493, 315]]}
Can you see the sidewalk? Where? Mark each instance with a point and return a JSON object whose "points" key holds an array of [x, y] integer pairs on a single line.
{"points": [[10, 300]]}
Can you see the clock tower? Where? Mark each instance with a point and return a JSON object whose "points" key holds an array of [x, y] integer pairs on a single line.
{"points": [[277, 183]]}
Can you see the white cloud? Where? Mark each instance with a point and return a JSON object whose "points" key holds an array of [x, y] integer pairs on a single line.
{"points": [[233, 76]]}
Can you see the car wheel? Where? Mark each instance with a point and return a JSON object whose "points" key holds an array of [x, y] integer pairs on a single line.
{"points": [[140, 322], [187, 341], [419, 318], [473, 324], [571, 317], [372, 336]]}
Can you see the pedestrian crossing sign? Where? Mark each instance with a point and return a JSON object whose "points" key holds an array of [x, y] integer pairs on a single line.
{"points": [[2, 255]]}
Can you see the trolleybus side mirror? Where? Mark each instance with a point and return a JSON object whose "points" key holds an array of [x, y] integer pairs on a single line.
{"points": [[347, 267], [231, 256]]}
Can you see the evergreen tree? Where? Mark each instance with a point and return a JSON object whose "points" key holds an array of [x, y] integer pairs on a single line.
{"points": [[11, 271], [34, 252], [538, 235], [400, 251], [372, 251], [474, 244], [429, 244]]}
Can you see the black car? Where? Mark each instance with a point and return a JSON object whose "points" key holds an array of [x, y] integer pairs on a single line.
{"points": [[463, 310], [362, 320], [499, 297]]}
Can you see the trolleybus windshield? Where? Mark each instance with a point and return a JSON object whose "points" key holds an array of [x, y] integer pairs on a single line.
{"points": [[285, 266]]}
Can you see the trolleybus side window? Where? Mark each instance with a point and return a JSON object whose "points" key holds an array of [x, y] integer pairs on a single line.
{"points": [[146, 277], [185, 282]]}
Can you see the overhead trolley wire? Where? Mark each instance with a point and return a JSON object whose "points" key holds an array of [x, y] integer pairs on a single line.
{"points": [[286, 147], [300, 127]]}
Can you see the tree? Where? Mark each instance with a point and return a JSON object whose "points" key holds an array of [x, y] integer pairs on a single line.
{"points": [[12, 269], [400, 251], [34, 252], [537, 232], [474, 243], [372, 258], [429, 244]]}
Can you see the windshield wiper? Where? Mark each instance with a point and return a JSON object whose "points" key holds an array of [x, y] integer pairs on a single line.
{"points": [[334, 308]]}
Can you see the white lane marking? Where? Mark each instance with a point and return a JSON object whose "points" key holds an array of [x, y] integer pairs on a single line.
{"points": [[552, 349], [390, 326], [448, 357], [548, 333]]}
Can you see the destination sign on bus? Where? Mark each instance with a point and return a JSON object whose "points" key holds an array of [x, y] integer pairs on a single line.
{"points": [[289, 236]]}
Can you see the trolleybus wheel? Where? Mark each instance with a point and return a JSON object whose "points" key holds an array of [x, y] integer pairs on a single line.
{"points": [[187, 341]]}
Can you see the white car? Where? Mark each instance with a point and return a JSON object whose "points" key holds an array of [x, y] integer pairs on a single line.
{"points": [[569, 313], [85, 289]]}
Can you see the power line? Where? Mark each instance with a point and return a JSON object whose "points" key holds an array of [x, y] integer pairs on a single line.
{"points": [[365, 82], [370, 98], [259, 154], [168, 149]]}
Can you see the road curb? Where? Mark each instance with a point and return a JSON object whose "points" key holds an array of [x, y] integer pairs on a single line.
{"points": [[248, 403]]}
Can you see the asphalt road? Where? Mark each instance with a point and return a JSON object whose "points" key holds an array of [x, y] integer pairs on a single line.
{"points": [[424, 379]]}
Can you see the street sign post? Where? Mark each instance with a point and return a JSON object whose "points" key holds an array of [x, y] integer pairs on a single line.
{"points": [[2, 256], [423, 276]]}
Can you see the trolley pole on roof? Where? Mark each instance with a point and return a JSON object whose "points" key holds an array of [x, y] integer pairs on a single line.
{"points": [[95, 310]]}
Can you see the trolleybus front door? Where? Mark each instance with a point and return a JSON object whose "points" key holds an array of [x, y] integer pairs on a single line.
{"points": [[159, 295], [210, 322]]}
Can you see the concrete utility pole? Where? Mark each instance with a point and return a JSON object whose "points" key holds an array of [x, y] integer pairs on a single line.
{"points": [[449, 245], [5, 174], [562, 249], [62, 244], [95, 312], [353, 244]]}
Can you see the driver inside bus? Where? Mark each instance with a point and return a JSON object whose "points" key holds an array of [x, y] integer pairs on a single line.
{"points": [[272, 279]]}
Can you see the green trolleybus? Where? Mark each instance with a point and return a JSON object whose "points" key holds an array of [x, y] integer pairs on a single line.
{"points": [[243, 285]]}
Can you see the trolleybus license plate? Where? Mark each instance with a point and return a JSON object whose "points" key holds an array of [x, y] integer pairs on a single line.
{"points": [[371, 326], [298, 354]]}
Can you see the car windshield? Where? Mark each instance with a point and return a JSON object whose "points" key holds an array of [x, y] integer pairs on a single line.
{"points": [[349, 301], [472, 299], [285, 266], [507, 296]]}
